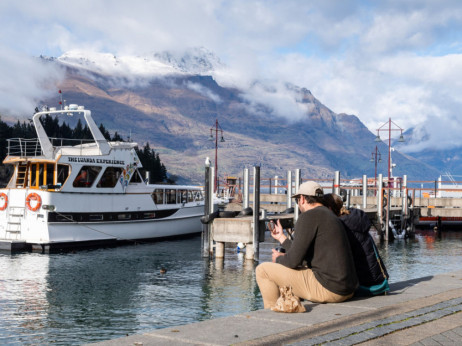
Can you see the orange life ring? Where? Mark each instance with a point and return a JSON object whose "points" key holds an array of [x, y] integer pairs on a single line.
{"points": [[5, 203], [33, 197]]}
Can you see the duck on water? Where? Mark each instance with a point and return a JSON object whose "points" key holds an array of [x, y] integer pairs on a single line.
{"points": [[68, 193]]}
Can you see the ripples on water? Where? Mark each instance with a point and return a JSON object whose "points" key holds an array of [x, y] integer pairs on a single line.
{"points": [[94, 295]]}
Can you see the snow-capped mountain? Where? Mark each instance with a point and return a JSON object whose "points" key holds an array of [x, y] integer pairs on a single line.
{"points": [[196, 61], [173, 99]]}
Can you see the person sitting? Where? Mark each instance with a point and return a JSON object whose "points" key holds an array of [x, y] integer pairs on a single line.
{"points": [[369, 266], [318, 263], [82, 179]]}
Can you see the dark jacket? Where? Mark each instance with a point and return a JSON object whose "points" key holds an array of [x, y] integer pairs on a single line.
{"points": [[357, 226], [320, 241]]}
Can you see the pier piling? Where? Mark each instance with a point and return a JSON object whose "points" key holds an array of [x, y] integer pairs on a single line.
{"points": [[297, 185], [256, 213], [336, 189], [289, 189], [207, 249], [245, 194], [364, 191]]}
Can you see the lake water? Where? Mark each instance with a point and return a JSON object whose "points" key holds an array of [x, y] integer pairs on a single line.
{"points": [[93, 295]]}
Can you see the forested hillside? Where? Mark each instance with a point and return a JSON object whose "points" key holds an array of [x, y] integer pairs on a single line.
{"points": [[149, 158]]}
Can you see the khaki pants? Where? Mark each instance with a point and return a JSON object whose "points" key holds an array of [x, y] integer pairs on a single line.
{"points": [[271, 276]]}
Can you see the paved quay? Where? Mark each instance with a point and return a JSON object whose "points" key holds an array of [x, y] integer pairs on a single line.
{"points": [[424, 311]]}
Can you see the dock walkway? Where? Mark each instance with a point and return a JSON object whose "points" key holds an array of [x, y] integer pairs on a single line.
{"points": [[424, 311]]}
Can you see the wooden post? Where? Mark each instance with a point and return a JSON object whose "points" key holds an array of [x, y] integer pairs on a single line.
{"points": [[289, 189], [380, 203], [404, 206], [206, 227], [211, 207], [297, 185], [256, 212], [245, 194], [337, 183], [364, 191], [388, 235], [219, 249]]}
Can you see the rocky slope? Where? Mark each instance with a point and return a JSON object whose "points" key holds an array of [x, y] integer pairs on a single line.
{"points": [[176, 109]]}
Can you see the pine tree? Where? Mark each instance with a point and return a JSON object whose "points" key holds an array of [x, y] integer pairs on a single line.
{"points": [[149, 158]]}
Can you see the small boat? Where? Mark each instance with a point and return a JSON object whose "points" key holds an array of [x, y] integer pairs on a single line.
{"points": [[68, 194]]}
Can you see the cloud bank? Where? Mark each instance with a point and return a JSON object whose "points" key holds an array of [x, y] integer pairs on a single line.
{"points": [[398, 59]]}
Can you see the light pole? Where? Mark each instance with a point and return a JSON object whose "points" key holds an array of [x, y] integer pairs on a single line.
{"points": [[216, 127], [390, 123], [376, 157]]}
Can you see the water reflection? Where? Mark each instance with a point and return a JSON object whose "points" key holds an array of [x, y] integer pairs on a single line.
{"points": [[23, 297], [426, 254], [88, 296]]}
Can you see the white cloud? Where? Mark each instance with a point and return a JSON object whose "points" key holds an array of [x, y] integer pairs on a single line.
{"points": [[398, 59], [24, 82], [200, 89]]}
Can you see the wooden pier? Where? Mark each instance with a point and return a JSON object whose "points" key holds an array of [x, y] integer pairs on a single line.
{"points": [[394, 209]]}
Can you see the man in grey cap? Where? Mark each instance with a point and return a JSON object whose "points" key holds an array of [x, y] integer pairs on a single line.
{"points": [[318, 263]]}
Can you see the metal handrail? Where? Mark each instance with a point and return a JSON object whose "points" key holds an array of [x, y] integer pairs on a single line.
{"points": [[25, 147]]}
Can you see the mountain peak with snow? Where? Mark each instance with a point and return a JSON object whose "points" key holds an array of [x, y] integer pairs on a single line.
{"points": [[196, 61]]}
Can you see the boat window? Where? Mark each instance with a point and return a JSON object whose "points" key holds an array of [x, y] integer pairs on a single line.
{"points": [[182, 196], [136, 177], [41, 174], [62, 217], [198, 196], [63, 173], [124, 216], [33, 175], [158, 196], [49, 174], [95, 217], [110, 177], [149, 215], [86, 176], [170, 196], [190, 196]]}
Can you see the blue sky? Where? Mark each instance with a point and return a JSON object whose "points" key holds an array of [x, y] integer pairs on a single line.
{"points": [[374, 59]]}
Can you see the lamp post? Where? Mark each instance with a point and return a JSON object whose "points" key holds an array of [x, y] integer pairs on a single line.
{"points": [[377, 158], [390, 123], [216, 127]]}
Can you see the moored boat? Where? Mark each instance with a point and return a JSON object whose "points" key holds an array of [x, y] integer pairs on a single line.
{"points": [[65, 193]]}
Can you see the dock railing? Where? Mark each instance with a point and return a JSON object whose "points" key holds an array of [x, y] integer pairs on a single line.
{"points": [[394, 207]]}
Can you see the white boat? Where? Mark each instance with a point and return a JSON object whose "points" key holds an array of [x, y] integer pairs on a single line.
{"points": [[68, 194]]}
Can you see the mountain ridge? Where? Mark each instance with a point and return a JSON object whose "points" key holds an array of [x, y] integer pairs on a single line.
{"points": [[175, 112]]}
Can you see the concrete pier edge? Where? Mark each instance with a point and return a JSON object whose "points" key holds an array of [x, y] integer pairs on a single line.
{"points": [[411, 305]]}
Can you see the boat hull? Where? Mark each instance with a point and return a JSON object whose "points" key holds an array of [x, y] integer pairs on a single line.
{"points": [[75, 220]]}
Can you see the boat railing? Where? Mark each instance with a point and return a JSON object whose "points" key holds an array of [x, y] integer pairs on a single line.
{"points": [[23, 147], [69, 142]]}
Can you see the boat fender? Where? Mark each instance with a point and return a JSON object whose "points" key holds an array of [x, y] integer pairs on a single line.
{"points": [[33, 197], [245, 212], [206, 219], [409, 200], [384, 201], [5, 201]]}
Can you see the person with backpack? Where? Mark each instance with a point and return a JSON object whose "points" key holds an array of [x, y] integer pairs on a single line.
{"points": [[370, 269], [317, 264]]}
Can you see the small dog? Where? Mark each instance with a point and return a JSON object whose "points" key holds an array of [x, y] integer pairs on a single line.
{"points": [[287, 302]]}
